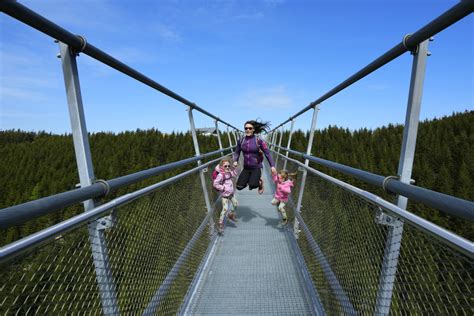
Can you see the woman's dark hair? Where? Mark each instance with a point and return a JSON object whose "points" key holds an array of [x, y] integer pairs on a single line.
{"points": [[259, 127]]}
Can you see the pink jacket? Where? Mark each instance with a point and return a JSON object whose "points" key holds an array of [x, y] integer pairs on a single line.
{"points": [[223, 182], [283, 189]]}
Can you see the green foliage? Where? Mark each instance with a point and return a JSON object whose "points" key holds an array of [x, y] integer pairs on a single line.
{"points": [[444, 159], [148, 236], [36, 165]]}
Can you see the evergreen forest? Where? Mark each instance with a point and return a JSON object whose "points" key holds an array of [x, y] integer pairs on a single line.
{"points": [[39, 164]]}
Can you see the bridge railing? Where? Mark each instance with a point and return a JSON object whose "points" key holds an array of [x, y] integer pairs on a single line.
{"points": [[390, 271], [343, 232], [156, 238], [137, 252]]}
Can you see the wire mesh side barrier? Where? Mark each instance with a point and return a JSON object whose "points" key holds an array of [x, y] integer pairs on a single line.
{"points": [[343, 240], [145, 240]]}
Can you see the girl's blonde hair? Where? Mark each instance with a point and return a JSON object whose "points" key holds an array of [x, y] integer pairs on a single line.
{"points": [[288, 175], [221, 163]]}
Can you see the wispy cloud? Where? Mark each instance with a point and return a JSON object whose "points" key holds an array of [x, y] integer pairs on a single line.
{"points": [[273, 2], [268, 98], [168, 34], [25, 76], [80, 16], [20, 94], [26, 114]]}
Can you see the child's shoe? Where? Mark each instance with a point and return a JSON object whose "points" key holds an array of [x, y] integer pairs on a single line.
{"points": [[232, 216], [260, 186]]}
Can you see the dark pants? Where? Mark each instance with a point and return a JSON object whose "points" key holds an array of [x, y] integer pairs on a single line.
{"points": [[250, 177]]}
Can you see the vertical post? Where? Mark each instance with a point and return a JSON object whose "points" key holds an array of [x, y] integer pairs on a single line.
{"points": [[279, 145], [219, 137], [275, 132], [289, 141], [85, 168], [236, 138], [305, 172], [201, 172], [228, 135], [407, 154]]}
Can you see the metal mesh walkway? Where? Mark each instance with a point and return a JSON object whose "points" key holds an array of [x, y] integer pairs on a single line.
{"points": [[253, 268]]}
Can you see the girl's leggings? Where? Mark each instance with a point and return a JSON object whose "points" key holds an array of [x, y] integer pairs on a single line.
{"points": [[225, 206], [281, 206]]}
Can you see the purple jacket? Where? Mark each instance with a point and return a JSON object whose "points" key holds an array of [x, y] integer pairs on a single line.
{"points": [[248, 145]]}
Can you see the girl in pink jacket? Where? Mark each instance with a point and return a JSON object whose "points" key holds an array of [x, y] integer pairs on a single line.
{"points": [[225, 185], [283, 189]]}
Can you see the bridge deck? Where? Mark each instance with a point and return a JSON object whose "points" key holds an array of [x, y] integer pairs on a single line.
{"points": [[253, 268]]}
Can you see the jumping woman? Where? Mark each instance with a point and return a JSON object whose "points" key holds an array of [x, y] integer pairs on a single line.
{"points": [[252, 147]]}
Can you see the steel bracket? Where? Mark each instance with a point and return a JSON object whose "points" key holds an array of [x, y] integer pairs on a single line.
{"points": [[106, 222], [382, 218]]}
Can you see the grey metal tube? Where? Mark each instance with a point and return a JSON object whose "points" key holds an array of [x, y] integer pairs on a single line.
{"points": [[31, 18], [451, 16], [15, 215], [443, 202], [16, 248]]}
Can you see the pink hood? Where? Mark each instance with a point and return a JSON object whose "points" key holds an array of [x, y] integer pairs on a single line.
{"points": [[223, 182], [283, 189]]}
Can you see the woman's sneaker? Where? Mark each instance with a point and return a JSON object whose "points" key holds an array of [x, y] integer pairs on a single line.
{"points": [[260, 186], [284, 221]]}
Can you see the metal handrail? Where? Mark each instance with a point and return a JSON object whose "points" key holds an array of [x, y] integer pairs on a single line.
{"points": [[447, 237], [80, 45], [18, 214], [443, 202], [409, 43], [18, 247]]}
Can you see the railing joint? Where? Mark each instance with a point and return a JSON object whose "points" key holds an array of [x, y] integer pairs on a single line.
{"points": [[106, 222], [83, 45], [383, 218], [413, 50], [105, 184], [385, 181]]}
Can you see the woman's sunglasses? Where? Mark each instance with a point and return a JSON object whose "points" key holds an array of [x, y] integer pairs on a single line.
{"points": [[226, 166], [248, 128]]}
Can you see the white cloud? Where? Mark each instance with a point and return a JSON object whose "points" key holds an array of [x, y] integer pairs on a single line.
{"points": [[26, 114], [268, 98], [20, 94], [168, 34], [79, 16]]}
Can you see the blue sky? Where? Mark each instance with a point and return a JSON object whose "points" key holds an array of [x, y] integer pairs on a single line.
{"points": [[237, 59]]}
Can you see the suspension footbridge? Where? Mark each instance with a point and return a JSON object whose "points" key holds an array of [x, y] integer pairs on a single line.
{"points": [[156, 250]]}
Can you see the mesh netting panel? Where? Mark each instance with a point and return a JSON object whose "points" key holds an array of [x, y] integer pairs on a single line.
{"points": [[147, 238], [431, 278]]}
